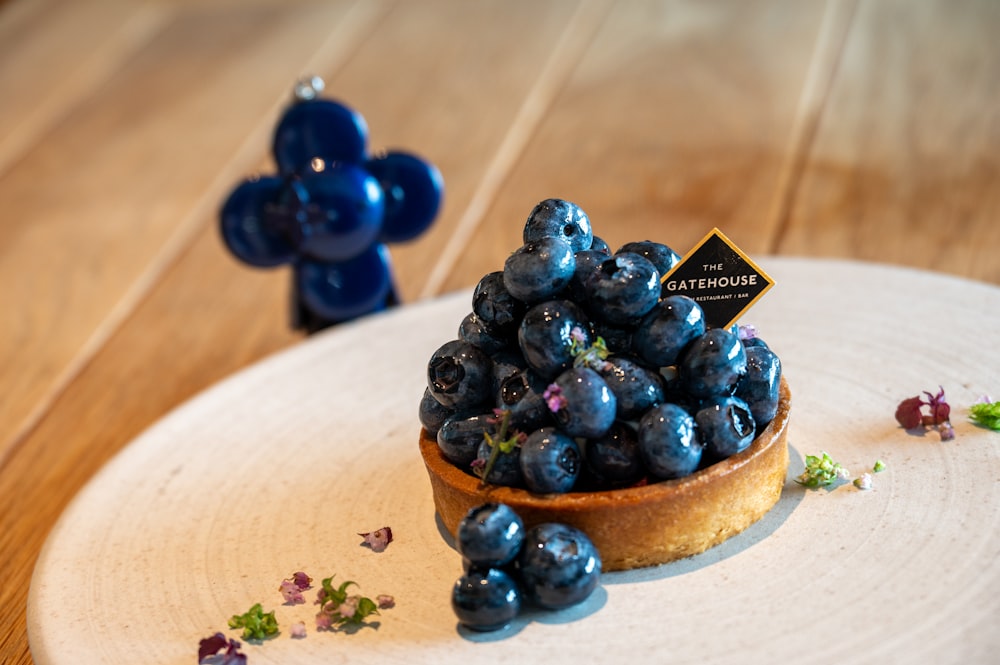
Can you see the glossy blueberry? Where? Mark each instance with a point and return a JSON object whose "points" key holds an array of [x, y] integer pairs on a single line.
{"points": [[598, 245], [617, 338], [615, 458], [550, 461], [413, 190], [506, 469], [725, 426], [585, 406], [474, 332], [667, 329], [658, 254], [459, 375], [521, 394], [431, 413], [490, 534], [539, 270], [668, 442], [495, 306], [622, 289], [318, 128], [557, 218], [344, 290], [546, 334], [559, 566], [460, 436], [485, 599], [587, 261], [713, 364], [636, 387], [247, 229], [761, 385], [507, 362], [337, 211]]}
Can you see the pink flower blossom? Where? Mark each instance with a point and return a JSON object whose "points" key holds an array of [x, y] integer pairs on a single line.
{"points": [[378, 540], [385, 601], [297, 629]]}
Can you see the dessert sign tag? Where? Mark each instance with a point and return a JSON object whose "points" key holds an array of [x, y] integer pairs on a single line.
{"points": [[720, 277]]}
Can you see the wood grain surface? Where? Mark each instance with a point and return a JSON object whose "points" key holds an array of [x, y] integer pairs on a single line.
{"points": [[867, 129]]}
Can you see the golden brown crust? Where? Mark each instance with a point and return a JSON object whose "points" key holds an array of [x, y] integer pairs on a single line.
{"points": [[639, 526]]}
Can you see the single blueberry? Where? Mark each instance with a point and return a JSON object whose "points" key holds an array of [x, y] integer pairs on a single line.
{"points": [[622, 289], [459, 375], [559, 566], [550, 461], [668, 442], [725, 426], [667, 329], [490, 534], [522, 394], [658, 254], [496, 308], [539, 270], [599, 245], [473, 331], [547, 335], [587, 261], [485, 600], [460, 436], [615, 458], [506, 469], [581, 402], [557, 218], [432, 413], [636, 387], [760, 387], [713, 364]]}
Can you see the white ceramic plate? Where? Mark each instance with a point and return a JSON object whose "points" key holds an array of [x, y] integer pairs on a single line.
{"points": [[278, 468]]}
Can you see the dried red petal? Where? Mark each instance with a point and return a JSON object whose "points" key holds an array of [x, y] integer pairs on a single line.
{"points": [[211, 645], [908, 413]]}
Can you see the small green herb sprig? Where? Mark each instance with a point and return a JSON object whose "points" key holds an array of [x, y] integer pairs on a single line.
{"points": [[986, 414], [503, 443], [336, 607], [256, 624], [821, 471]]}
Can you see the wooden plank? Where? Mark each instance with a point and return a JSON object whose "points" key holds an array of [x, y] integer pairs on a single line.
{"points": [[96, 210], [53, 54], [676, 120], [905, 167]]}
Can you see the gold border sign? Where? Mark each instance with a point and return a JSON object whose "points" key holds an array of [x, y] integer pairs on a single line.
{"points": [[720, 277]]}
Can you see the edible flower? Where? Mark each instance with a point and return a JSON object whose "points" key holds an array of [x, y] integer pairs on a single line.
{"points": [[864, 481], [291, 589], [931, 413], [230, 648], [379, 539]]}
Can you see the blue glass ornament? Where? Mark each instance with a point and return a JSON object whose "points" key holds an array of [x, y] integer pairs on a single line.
{"points": [[330, 211]]}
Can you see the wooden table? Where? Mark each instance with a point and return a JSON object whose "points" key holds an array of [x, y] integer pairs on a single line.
{"points": [[868, 130]]}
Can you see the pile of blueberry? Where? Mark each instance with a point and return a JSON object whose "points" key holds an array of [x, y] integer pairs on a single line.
{"points": [[551, 566], [574, 371]]}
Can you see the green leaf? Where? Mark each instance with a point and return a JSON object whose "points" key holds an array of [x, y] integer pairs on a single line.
{"points": [[986, 415], [256, 624]]}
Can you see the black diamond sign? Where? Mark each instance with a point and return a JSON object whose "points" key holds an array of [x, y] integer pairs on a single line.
{"points": [[720, 278]]}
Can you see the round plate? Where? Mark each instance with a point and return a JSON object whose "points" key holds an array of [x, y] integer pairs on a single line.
{"points": [[278, 468]]}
